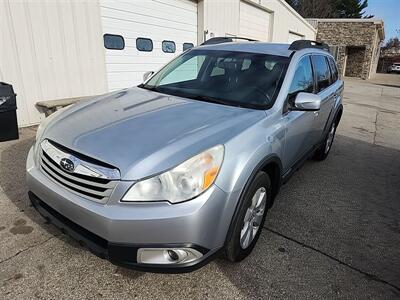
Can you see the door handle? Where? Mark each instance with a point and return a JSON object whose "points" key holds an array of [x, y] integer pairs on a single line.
{"points": [[316, 113]]}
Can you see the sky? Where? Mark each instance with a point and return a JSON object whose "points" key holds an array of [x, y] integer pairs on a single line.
{"points": [[389, 11]]}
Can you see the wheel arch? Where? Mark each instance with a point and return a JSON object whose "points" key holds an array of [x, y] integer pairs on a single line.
{"points": [[271, 165]]}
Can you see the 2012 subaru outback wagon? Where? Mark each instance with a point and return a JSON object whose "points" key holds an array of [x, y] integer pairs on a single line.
{"points": [[166, 175]]}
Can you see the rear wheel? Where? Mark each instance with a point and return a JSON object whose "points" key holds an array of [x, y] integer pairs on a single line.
{"points": [[251, 218], [322, 152]]}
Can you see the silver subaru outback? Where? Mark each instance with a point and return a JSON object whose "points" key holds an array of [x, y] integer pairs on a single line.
{"points": [[167, 175]]}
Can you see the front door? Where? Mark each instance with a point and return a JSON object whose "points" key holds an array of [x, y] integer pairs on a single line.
{"points": [[300, 125]]}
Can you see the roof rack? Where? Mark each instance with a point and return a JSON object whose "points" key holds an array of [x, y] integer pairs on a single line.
{"points": [[302, 44], [225, 39]]}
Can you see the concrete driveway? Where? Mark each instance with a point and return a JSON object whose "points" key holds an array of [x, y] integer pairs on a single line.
{"points": [[334, 231]]}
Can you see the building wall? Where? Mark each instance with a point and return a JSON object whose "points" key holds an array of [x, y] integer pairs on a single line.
{"points": [[54, 49], [221, 18], [48, 51], [286, 21], [352, 34]]}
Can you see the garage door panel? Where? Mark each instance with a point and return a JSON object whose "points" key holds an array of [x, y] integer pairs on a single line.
{"points": [[146, 20], [254, 22], [158, 20], [140, 30], [147, 9]]}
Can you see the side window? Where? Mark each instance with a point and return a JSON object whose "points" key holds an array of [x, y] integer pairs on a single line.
{"points": [[113, 42], [334, 71], [187, 46], [322, 73], [144, 44], [303, 78], [168, 47]]}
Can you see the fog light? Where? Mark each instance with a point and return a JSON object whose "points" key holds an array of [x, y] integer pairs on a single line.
{"points": [[167, 255], [173, 255]]}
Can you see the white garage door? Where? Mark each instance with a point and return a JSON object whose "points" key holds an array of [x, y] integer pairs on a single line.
{"points": [[254, 22], [158, 20], [294, 37]]}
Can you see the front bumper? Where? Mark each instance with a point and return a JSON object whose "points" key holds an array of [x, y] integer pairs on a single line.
{"points": [[116, 230]]}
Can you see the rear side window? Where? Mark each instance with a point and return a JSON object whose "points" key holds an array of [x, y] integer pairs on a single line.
{"points": [[322, 73], [187, 46], [113, 41], [334, 71], [144, 44], [168, 47], [303, 78]]}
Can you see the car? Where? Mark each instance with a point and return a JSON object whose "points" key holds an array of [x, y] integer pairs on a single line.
{"points": [[167, 175], [394, 68]]}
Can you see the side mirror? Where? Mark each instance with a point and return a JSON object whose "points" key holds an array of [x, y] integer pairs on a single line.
{"points": [[307, 102], [147, 75]]}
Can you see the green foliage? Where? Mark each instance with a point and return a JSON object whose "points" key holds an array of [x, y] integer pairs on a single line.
{"points": [[330, 8]]}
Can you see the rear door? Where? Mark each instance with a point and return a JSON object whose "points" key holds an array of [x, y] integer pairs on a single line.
{"points": [[326, 89]]}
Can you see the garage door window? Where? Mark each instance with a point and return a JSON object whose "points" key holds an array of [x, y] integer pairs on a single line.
{"points": [[168, 47], [187, 46], [113, 42], [144, 44]]}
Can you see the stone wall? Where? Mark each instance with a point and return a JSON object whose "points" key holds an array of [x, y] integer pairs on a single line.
{"points": [[351, 34]]}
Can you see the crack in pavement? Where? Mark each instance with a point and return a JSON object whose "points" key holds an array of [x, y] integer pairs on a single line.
{"points": [[28, 248], [376, 127], [366, 274]]}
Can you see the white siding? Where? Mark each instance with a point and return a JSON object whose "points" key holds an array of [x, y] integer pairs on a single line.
{"points": [[232, 17], [254, 22], [50, 50], [174, 20], [294, 37], [287, 20]]}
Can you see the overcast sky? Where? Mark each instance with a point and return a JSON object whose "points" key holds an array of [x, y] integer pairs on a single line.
{"points": [[389, 11]]}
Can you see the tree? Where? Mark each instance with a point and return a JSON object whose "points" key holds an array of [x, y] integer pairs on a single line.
{"points": [[392, 43], [352, 8], [330, 8], [314, 8]]}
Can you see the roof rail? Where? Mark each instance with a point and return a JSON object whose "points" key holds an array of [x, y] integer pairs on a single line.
{"points": [[225, 39], [302, 44]]}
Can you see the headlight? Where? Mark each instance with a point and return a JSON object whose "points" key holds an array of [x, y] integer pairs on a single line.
{"points": [[183, 182]]}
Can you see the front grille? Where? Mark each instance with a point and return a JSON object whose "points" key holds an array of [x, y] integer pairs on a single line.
{"points": [[93, 188]]}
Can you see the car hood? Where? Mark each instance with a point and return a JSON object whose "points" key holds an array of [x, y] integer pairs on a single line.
{"points": [[143, 132]]}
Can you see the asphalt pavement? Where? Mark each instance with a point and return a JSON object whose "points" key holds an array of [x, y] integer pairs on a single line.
{"points": [[334, 231]]}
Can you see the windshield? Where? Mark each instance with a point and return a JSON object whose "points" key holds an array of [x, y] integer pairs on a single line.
{"points": [[231, 78]]}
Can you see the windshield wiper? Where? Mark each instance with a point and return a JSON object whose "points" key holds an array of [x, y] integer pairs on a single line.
{"points": [[150, 88], [212, 100]]}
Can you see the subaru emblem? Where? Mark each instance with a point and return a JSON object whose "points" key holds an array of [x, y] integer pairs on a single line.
{"points": [[67, 164]]}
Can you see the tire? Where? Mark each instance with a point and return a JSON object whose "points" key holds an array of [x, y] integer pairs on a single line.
{"points": [[237, 249], [323, 151]]}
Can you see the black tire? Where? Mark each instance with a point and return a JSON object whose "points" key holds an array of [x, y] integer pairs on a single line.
{"points": [[234, 251], [322, 152]]}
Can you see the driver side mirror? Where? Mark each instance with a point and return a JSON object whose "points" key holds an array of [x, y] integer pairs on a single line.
{"points": [[306, 102], [147, 75]]}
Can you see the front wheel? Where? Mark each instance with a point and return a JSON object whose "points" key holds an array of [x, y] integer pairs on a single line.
{"points": [[322, 152], [250, 219]]}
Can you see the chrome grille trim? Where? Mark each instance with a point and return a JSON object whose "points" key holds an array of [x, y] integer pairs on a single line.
{"points": [[97, 188]]}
